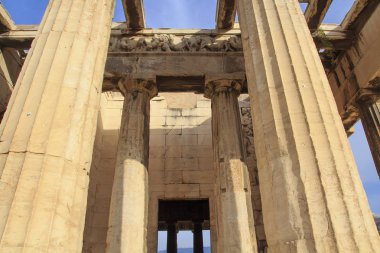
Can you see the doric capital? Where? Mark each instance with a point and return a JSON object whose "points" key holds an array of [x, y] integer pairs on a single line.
{"points": [[367, 95], [138, 83], [375, 82], [223, 83]]}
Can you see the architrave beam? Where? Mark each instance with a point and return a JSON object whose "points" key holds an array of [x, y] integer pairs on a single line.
{"points": [[134, 13], [22, 37], [19, 38], [332, 37]]}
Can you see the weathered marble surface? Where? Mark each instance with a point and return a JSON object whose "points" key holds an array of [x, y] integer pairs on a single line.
{"points": [[128, 220], [312, 198], [234, 215], [48, 131]]}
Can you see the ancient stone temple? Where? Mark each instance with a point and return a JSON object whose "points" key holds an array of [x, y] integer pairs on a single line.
{"points": [[111, 132]]}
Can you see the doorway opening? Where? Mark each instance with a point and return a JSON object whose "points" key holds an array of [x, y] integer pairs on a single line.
{"points": [[178, 218]]}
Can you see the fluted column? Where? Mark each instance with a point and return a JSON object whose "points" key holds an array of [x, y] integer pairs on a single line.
{"points": [[234, 209], [47, 134], [369, 109], [312, 196], [128, 219]]}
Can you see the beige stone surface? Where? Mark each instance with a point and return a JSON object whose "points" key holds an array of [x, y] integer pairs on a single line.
{"points": [[164, 182], [309, 195], [235, 225], [128, 218], [48, 131], [251, 161], [302, 150], [6, 20], [102, 173], [181, 158]]}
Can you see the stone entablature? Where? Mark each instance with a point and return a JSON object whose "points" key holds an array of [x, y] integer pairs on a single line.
{"points": [[174, 40], [176, 43]]}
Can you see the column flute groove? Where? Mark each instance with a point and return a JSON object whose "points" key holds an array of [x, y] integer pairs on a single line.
{"points": [[300, 143], [235, 225], [22, 72], [128, 220], [345, 146], [47, 137]]}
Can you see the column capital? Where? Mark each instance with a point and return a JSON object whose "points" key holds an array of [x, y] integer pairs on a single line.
{"points": [[138, 83], [367, 95], [223, 83]]}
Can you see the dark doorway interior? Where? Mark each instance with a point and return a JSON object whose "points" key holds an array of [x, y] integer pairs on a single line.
{"points": [[175, 215]]}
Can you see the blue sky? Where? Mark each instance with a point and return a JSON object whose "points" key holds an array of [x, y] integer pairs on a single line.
{"points": [[201, 14]]}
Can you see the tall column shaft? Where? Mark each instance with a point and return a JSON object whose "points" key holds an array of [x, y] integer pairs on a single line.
{"points": [[370, 117], [47, 134], [312, 196], [128, 219], [234, 209]]}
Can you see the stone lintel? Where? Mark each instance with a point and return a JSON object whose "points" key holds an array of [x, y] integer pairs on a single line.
{"points": [[225, 82], [134, 13], [333, 37], [225, 14], [138, 83]]}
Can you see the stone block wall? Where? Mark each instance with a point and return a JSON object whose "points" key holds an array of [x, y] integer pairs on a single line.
{"points": [[102, 172], [180, 157], [180, 162]]}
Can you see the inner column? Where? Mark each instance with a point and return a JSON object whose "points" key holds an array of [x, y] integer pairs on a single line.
{"points": [[234, 209], [129, 201], [369, 109]]}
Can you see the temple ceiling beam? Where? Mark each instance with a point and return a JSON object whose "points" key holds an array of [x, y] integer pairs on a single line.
{"points": [[225, 14], [6, 22], [315, 13], [134, 13]]}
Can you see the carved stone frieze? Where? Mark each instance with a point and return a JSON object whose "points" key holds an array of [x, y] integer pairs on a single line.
{"points": [[176, 43]]}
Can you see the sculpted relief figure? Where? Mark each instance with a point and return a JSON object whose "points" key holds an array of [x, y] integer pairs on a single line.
{"points": [[131, 44], [211, 44], [235, 43], [154, 44], [175, 43], [193, 43], [178, 44]]}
